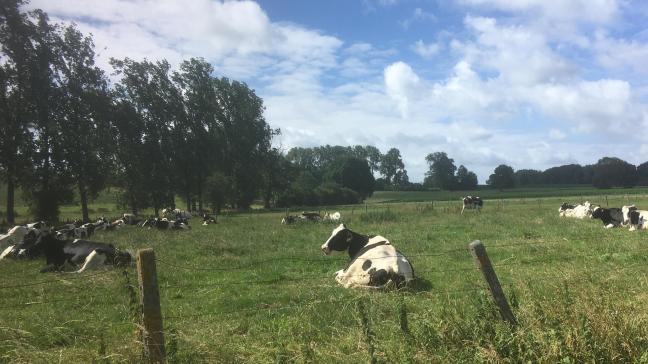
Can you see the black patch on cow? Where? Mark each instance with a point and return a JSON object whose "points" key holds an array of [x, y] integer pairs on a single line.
{"points": [[605, 215], [634, 217], [362, 251], [378, 277], [366, 265]]}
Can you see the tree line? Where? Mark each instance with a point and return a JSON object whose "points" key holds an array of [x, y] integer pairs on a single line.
{"points": [[156, 132]]}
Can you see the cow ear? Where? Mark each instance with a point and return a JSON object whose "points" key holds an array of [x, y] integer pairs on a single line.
{"points": [[343, 226]]}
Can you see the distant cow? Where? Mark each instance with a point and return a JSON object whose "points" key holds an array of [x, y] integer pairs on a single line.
{"points": [[176, 214], [472, 202], [130, 219], [580, 211], [289, 219], [208, 219], [165, 224], [374, 262], [611, 217], [336, 216], [310, 216]]}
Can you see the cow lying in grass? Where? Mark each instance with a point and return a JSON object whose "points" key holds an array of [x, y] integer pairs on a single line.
{"points": [[580, 211], [85, 254], [374, 262], [304, 216], [611, 217]]}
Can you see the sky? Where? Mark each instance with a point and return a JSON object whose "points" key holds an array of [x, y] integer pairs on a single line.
{"points": [[527, 83]]}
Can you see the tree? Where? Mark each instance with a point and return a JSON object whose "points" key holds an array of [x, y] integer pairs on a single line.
{"points": [[353, 173], [245, 136], [391, 164], [441, 171], [526, 177], [610, 172], [642, 174], [199, 132], [85, 102], [466, 180], [502, 177], [16, 111], [148, 88], [567, 174], [373, 157], [49, 182], [277, 173]]}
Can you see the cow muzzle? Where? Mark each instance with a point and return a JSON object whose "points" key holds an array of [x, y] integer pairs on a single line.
{"points": [[326, 249]]}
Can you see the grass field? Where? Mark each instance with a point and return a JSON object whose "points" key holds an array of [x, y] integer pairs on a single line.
{"points": [[250, 290]]}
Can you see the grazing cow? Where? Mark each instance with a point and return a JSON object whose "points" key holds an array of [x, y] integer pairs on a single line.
{"points": [[84, 253], [635, 218], [472, 202], [336, 216], [374, 262], [580, 211], [611, 217]]}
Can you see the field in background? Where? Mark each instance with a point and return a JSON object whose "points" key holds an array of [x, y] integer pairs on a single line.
{"points": [[251, 290]]}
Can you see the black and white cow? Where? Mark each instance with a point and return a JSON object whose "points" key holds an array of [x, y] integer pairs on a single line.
{"points": [[170, 213], [580, 211], [611, 217], [33, 232], [208, 219], [374, 262], [13, 236], [164, 224], [130, 219], [635, 218], [78, 253], [310, 216], [472, 202]]}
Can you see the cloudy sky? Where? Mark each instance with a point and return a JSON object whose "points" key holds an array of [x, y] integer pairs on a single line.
{"points": [[529, 83]]}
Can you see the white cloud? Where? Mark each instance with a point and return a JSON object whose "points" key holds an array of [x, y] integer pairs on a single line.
{"points": [[426, 50], [595, 11], [401, 83], [557, 134], [621, 54], [418, 16]]}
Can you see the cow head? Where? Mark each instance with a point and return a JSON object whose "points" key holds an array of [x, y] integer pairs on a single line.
{"points": [[122, 258], [598, 212], [340, 240], [625, 210]]}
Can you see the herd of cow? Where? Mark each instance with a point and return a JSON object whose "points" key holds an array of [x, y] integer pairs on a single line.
{"points": [[627, 215], [373, 263], [66, 246]]}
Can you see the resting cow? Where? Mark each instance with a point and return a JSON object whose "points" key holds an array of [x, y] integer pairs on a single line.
{"points": [[336, 216], [580, 211], [472, 202], [86, 254], [611, 217], [374, 262], [164, 224]]}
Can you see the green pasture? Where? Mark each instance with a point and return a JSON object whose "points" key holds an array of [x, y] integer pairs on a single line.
{"points": [[249, 290]]}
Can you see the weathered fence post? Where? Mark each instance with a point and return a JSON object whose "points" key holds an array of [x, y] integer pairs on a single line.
{"points": [[366, 208], [607, 204], [482, 261], [150, 299]]}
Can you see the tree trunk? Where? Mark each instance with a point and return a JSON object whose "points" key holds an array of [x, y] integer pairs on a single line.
{"points": [[200, 196], [83, 194], [11, 216], [188, 201]]}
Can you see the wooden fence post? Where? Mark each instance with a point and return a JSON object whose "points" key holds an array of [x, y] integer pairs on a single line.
{"points": [[607, 204], [482, 261], [150, 299]]}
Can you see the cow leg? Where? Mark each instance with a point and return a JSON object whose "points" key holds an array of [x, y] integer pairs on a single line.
{"points": [[6, 252], [462, 209], [93, 261]]}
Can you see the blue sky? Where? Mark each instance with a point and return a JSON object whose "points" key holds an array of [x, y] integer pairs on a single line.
{"points": [[529, 83]]}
